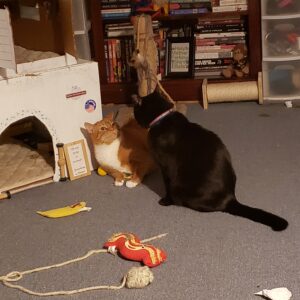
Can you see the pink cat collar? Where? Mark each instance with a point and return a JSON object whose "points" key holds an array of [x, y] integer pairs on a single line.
{"points": [[157, 119]]}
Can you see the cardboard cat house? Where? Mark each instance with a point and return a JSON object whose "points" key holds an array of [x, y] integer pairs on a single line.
{"points": [[36, 37], [44, 104]]}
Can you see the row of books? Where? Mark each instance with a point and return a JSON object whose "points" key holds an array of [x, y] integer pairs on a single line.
{"points": [[118, 9], [118, 49], [118, 52], [214, 42], [160, 34], [115, 9]]}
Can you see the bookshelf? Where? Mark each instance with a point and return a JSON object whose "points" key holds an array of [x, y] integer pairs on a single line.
{"points": [[180, 89]]}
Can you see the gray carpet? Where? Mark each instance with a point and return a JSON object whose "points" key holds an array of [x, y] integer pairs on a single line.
{"points": [[211, 256]]}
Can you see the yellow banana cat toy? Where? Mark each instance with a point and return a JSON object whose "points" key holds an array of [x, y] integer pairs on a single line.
{"points": [[65, 211]]}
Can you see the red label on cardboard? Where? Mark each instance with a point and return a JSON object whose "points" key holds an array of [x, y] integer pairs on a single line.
{"points": [[75, 94]]}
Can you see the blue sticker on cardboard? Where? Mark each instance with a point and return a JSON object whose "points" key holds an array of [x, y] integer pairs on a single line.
{"points": [[90, 105]]}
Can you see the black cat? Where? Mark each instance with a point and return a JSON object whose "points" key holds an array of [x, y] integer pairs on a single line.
{"points": [[195, 164]]}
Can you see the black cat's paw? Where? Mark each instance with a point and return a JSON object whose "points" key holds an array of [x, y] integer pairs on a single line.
{"points": [[165, 201]]}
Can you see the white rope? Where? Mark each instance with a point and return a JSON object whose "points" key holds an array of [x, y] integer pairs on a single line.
{"points": [[16, 275], [154, 238]]}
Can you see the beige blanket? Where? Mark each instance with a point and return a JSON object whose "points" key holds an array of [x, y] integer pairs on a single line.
{"points": [[20, 165]]}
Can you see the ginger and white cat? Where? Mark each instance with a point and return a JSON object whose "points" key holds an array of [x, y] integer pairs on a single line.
{"points": [[121, 151]]}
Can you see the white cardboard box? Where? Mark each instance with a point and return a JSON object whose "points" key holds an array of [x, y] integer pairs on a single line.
{"points": [[39, 29], [59, 98]]}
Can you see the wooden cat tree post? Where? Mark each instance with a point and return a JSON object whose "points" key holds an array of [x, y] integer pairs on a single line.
{"points": [[144, 58]]}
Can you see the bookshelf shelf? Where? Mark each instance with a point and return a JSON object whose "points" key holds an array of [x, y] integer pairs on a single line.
{"points": [[180, 89]]}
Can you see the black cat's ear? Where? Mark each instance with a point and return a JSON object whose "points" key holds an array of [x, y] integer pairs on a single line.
{"points": [[110, 116], [88, 127], [136, 99], [115, 116]]}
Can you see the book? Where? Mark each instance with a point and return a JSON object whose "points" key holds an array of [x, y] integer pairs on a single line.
{"points": [[228, 8], [220, 41], [185, 5], [220, 34], [208, 68], [115, 5], [120, 32], [214, 48], [231, 2], [106, 60], [160, 40], [188, 11], [207, 73], [207, 55], [198, 68], [202, 27], [110, 58], [118, 25], [127, 58], [115, 13], [123, 60], [218, 20], [123, 25], [114, 59], [211, 62], [115, 16], [219, 29], [118, 60], [115, 10]]}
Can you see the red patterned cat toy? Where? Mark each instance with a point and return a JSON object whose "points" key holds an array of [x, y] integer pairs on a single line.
{"points": [[130, 247]]}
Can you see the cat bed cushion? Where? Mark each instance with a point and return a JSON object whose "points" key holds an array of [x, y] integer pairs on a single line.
{"points": [[24, 55], [20, 165]]}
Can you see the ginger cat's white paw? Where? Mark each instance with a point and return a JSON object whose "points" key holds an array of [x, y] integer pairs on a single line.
{"points": [[119, 183], [131, 184]]}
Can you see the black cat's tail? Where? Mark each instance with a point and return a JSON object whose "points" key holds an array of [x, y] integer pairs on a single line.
{"points": [[256, 215]]}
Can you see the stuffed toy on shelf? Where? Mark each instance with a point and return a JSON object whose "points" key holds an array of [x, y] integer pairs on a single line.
{"points": [[240, 65]]}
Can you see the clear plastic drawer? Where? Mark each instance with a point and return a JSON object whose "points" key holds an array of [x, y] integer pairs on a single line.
{"points": [[281, 80], [281, 38]]}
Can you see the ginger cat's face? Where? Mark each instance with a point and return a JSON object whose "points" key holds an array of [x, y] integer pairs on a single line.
{"points": [[104, 131]]}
